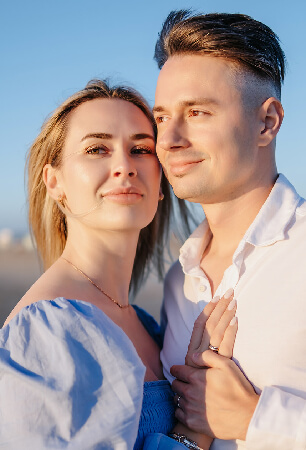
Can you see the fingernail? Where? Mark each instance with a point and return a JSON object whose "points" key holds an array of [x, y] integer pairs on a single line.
{"points": [[228, 293], [215, 299], [233, 321], [232, 304]]}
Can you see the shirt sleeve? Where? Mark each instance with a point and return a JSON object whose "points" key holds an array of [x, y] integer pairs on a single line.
{"points": [[69, 378], [279, 422]]}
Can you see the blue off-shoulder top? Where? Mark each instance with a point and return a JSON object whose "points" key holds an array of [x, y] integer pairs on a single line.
{"points": [[70, 378]]}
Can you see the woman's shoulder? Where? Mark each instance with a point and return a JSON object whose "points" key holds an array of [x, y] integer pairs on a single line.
{"points": [[69, 332], [45, 288], [67, 352]]}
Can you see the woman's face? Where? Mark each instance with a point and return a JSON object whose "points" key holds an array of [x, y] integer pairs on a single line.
{"points": [[110, 174]]}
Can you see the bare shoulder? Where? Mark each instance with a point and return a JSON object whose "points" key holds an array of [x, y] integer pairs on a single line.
{"points": [[47, 287]]}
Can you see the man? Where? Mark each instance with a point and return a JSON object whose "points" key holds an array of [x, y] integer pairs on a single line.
{"points": [[218, 112]]}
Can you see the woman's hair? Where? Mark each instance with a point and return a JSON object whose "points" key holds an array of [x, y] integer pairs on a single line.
{"points": [[48, 223], [250, 44]]}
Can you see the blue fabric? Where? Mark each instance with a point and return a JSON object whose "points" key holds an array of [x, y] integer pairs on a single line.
{"points": [[71, 379], [150, 325], [157, 415]]}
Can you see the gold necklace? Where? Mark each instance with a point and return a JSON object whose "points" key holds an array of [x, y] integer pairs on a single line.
{"points": [[94, 284]]}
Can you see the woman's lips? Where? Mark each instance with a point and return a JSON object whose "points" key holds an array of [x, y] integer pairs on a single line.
{"points": [[124, 196]]}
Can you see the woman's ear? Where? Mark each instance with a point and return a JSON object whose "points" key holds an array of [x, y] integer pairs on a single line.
{"points": [[271, 116], [52, 181]]}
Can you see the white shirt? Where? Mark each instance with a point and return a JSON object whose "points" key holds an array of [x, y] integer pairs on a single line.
{"points": [[268, 274]]}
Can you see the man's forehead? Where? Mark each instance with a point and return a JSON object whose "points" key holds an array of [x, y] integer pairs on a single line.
{"points": [[193, 79], [189, 102]]}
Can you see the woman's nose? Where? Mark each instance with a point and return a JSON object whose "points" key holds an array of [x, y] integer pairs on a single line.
{"points": [[124, 166]]}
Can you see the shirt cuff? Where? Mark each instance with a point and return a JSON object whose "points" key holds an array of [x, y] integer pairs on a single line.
{"points": [[279, 422], [159, 441]]}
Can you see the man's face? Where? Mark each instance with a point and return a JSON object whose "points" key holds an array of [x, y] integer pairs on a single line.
{"points": [[207, 139]]}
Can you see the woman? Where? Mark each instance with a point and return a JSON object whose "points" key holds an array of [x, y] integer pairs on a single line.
{"points": [[74, 353]]}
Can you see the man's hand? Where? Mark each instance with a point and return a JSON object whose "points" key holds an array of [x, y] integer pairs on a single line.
{"points": [[217, 400]]}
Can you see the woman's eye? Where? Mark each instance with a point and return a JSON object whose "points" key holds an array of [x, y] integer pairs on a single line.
{"points": [[142, 151], [96, 151]]}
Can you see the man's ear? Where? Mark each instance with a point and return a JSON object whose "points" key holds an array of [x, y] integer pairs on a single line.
{"points": [[271, 116], [52, 181]]}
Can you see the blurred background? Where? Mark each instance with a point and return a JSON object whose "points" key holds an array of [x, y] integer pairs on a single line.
{"points": [[49, 50]]}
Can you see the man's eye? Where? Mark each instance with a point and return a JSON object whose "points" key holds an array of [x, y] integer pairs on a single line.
{"points": [[161, 119], [197, 112]]}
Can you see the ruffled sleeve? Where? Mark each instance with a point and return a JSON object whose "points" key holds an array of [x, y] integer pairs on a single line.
{"points": [[69, 378]]}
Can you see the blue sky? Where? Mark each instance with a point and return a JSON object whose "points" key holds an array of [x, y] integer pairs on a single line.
{"points": [[51, 49]]}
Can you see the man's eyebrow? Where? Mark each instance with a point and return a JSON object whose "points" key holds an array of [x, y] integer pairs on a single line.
{"points": [[97, 135], [191, 102]]}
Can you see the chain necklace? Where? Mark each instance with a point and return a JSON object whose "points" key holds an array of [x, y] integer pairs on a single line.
{"points": [[94, 284]]}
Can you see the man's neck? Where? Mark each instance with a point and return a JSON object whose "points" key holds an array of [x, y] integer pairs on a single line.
{"points": [[229, 221]]}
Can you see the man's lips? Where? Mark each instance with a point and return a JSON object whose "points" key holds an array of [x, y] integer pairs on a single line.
{"points": [[183, 166]]}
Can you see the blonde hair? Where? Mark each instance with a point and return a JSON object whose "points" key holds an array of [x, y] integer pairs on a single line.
{"points": [[48, 223]]}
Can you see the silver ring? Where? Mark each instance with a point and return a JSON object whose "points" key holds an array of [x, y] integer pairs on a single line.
{"points": [[213, 348], [178, 401]]}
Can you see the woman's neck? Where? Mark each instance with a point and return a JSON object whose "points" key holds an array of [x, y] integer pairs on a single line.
{"points": [[105, 257]]}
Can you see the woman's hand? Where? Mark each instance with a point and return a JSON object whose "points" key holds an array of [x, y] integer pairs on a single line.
{"points": [[216, 325], [216, 398]]}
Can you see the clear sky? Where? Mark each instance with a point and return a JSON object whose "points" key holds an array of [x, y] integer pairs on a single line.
{"points": [[50, 49]]}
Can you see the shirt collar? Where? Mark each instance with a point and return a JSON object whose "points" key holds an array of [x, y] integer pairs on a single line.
{"points": [[268, 227], [191, 252], [275, 214]]}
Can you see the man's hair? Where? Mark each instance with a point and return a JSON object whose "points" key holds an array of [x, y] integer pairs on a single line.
{"points": [[239, 38]]}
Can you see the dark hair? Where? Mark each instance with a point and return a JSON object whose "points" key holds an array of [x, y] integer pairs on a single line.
{"points": [[48, 222], [236, 37]]}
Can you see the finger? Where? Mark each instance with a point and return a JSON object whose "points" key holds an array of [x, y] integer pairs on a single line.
{"points": [[218, 334], [180, 415], [219, 310], [199, 326], [215, 318], [227, 344], [210, 359], [182, 373]]}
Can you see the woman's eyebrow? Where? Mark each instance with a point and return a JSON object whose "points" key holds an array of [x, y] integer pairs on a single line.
{"points": [[134, 137], [139, 136], [97, 135]]}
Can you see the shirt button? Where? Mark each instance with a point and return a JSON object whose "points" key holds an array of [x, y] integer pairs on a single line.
{"points": [[202, 288]]}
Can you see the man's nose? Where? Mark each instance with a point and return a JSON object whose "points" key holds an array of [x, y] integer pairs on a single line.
{"points": [[172, 136]]}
